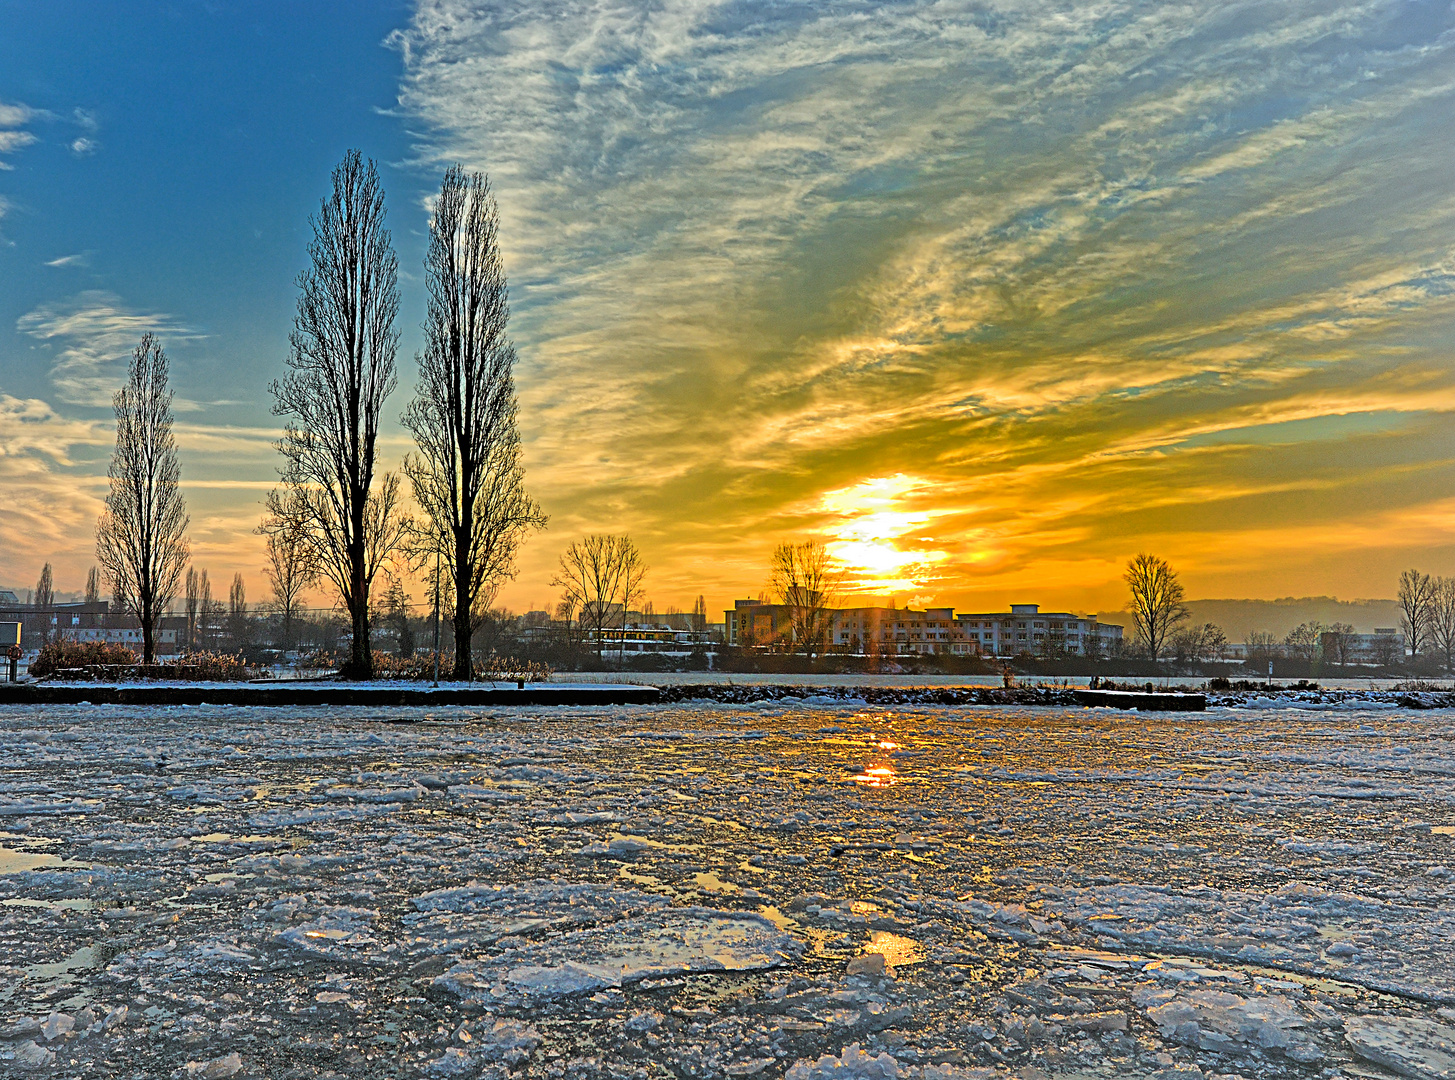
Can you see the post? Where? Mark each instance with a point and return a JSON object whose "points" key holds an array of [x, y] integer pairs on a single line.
{"points": [[436, 616]]}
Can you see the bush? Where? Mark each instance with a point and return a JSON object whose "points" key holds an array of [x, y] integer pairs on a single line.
{"points": [[208, 667], [59, 655], [97, 660], [420, 667]]}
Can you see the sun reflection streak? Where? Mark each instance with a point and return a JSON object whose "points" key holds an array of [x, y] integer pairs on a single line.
{"points": [[881, 775]]}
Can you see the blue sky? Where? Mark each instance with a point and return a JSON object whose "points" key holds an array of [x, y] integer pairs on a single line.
{"points": [[989, 295]]}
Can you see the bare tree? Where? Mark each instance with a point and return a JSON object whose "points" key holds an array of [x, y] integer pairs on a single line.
{"points": [[396, 615], [192, 602], [1157, 598], [600, 575], [141, 539], [93, 586], [1442, 620], [468, 477], [699, 615], [45, 600], [290, 568], [1198, 643], [341, 368], [238, 628], [805, 581], [1387, 650], [1262, 647], [1416, 600], [1304, 640], [1339, 643]]}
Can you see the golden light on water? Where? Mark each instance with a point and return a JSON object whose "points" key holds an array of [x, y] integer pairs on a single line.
{"points": [[897, 950], [880, 775]]}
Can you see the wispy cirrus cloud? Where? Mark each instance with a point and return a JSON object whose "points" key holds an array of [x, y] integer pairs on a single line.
{"points": [[52, 495], [1033, 255], [92, 334], [13, 135]]}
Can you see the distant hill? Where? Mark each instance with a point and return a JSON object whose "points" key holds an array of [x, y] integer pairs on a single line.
{"points": [[1239, 618]]}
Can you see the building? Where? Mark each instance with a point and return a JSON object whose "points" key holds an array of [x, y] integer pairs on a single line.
{"points": [[636, 638], [94, 621], [895, 631], [1026, 629], [753, 623], [881, 631]]}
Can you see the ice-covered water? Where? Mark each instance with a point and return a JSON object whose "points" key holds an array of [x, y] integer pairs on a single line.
{"points": [[768, 890]]}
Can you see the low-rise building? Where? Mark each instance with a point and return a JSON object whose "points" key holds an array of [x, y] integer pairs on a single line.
{"points": [[639, 638], [895, 631], [931, 631], [1026, 629]]}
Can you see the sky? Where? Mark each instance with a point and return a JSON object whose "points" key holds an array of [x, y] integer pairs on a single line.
{"points": [[987, 296]]}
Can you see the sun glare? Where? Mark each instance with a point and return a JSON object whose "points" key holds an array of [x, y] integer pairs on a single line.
{"points": [[874, 537]]}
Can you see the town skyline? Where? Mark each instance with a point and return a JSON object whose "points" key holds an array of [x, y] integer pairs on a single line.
{"points": [[937, 324]]}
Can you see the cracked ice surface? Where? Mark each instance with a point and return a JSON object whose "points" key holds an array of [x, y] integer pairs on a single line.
{"points": [[692, 892]]}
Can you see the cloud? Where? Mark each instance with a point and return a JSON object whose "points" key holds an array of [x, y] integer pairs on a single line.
{"points": [[81, 258], [83, 147], [51, 496], [1032, 255], [93, 334], [13, 118]]}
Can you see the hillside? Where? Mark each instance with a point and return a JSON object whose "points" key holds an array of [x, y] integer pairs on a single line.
{"points": [[1239, 618]]}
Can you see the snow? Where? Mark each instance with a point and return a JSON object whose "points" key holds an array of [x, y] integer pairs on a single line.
{"points": [[595, 892], [675, 941]]}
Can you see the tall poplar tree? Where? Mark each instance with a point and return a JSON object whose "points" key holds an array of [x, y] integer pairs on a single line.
{"points": [[141, 540], [468, 477], [341, 368]]}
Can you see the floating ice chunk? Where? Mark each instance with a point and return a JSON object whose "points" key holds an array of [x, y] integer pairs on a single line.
{"points": [[40, 806], [375, 795], [484, 794], [507, 1042], [27, 1054], [852, 1063], [216, 1069], [56, 1025], [676, 941], [455, 1062], [642, 1022], [340, 932], [1408, 1045], [546, 901], [1220, 1022]]}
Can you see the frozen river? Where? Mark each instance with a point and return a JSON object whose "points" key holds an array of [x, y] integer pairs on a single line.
{"points": [[816, 892]]}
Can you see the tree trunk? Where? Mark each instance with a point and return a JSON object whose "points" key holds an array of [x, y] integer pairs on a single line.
{"points": [[147, 648], [464, 667], [361, 657]]}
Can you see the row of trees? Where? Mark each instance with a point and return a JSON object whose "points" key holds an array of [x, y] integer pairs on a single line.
{"points": [[1427, 615], [335, 517]]}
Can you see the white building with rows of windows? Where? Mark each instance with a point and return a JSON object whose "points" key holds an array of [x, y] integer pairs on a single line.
{"points": [[890, 631]]}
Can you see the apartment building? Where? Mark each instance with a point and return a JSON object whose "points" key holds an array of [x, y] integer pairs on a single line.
{"points": [[931, 631], [1028, 629]]}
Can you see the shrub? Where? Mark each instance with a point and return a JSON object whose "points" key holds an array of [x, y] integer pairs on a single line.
{"points": [[420, 667], [59, 655], [207, 667]]}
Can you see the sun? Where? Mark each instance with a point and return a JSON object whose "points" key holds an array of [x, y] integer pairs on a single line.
{"points": [[875, 536]]}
